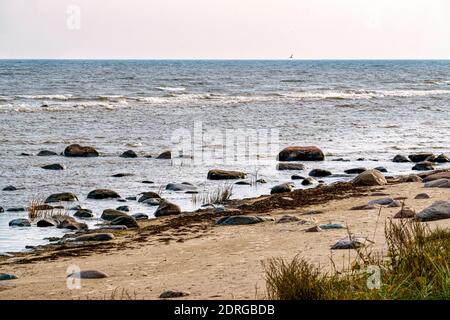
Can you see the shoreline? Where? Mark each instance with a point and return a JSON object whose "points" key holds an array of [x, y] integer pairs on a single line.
{"points": [[191, 253]]}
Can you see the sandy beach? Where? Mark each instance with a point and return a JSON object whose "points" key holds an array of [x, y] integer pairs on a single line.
{"points": [[190, 253]]}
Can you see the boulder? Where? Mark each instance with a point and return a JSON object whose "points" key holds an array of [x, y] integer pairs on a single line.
{"points": [[95, 237], [54, 166], [125, 220], [370, 178], [423, 166], [148, 195], [421, 196], [405, 213], [44, 223], [356, 170], [381, 202], [67, 222], [437, 211], [437, 176], [75, 150], [123, 208], [297, 153], [153, 201], [282, 188], [140, 216], [243, 183], [399, 158], [381, 169], [10, 188], [58, 197], [241, 220], [290, 166], [409, 178], [19, 209], [2, 210], [83, 213], [46, 153], [419, 157], [442, 158], [103, 194], [111, 214], [225, 175], [180, 187], [319, 173], [129, 154], [297, 177], [167, 208], [165, 155], [88, 274], [349, 243], [121, 175], [441, 183], [309, 181], [20, 223]]}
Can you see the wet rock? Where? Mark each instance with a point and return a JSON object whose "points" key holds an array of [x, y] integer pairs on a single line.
{"points": [[165, 155], [19, 209], [331, 226], [297, 153], [399, 158], [75, 150], [437, 176], [381, 202], [148, 195], [421, 196], [349, 243], [131, 198], [123, 208], [140, 216], [442, 158], [46, 153], [282, 188], [147, 182], [167, 208], [319, 173], [355, 170], [419, 157], [297, 177], [95, 237], [370, 178], [437, 211], [153, 201], [241, 220], [173, 294], [405, 213], [10, 188], [381, 169], [75, 208], [83, 213], [423, 166], [20, 223], [290, 166], [129, 154], [58, 197], [409, 178], [125, 220], [24, 154], [6, 276], [2, 210], [261, 181], [309, 181], [121, 175], [68, 222], [180, 187], [54, 166], [288, 219], [243, 183], [225, 175], [103, 194], [111, 214], [441, 183], [88, 274], [44, 223]]}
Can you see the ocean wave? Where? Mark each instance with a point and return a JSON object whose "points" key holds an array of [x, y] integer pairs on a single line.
{"points": [[171, 89], [62, 97]]}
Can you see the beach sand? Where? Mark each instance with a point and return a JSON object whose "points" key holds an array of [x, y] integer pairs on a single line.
{"points": [[206, 260]]}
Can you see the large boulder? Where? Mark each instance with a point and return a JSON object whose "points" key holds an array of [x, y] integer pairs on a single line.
{"points": [[419, 157], [217, 174], [437, 211], [111, 214], [167, 208], [370, 178], [75, 150], [290, 166], [296, 153], [103, 194], [437, 176], [58, 197]]}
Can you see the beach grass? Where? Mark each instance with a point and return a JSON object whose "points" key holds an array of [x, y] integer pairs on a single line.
{"points": [[416, 267], [219, 195]]}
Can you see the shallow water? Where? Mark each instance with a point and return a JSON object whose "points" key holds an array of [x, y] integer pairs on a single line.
{"points": [[351, 109]]}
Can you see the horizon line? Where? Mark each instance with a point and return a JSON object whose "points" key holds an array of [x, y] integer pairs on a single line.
{"points": [[231, 59]]}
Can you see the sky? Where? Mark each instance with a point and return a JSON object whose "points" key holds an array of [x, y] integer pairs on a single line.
{"points": [[225, 29]]}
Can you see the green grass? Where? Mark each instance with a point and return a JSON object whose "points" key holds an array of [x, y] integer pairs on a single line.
{"points": [[417, 266]]}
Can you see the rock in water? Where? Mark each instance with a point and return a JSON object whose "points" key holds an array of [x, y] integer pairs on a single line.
{"points": [[83, 213], [58, 197], [296, 153], [103, 194], [140, 216], [75, 150], [10, 188], [46, 153], [319, 173], [419, 157], [95, 237], [125, 220], [370, 178], [148, 195], [290, 166], [68, 222], [442, 158], [381, 169], [129, 154], [423, 166], [225, 175], [400, 158], [282, 188], [437, 211], [165, 155], [241, 220], [309, 181], [20, 223], [54, 166], [180, 187], [167, 208], [356, 170], [111, 214], [88, 274], [123, 208], [44, 223]]}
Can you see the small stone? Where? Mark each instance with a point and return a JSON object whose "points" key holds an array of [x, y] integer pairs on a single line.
{"points": [[123, 208], [46, 153], [125, 220], [217, 174], [364, 207], [241, 220], [421, 196], [148, 195], [381, 169], [54, 166], [441, 183], [314, 229], [355, 170], [88, 274], [44, 223], [309, 181], [167, 208], [10, 188], [290, 166], [437, 211], [173, 294], [6, 276], [58, 197], [395, 204], [297, 177], [19, 209], [349, 243], [121, 175], [423, 166], [400, 158], [147, 182], [75, 150], [330, 226]]}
